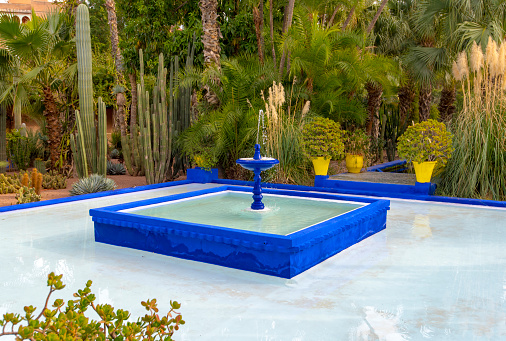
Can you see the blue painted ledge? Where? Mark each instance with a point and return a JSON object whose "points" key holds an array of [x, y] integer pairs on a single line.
{"points": [[365, 189], [377, 188], [381, 167], [201, 175]]}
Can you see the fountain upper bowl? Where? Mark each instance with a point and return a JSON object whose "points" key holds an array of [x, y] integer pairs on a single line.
{"points": [[261, 164]]}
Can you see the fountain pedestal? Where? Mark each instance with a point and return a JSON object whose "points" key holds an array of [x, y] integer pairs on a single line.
{"points": [[257, 164]]}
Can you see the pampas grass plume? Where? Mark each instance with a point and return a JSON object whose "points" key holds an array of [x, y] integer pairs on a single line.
{"points": [[462, 65], [476, 57]]}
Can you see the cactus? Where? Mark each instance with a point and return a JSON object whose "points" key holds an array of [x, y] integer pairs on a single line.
{"points": [[25, 180], [88, 154], [25, 195], [85, 82], [9, 183], [160, 121], [3, 138], [53, 180]]}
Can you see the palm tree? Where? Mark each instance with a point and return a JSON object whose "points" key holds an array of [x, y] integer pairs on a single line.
{"points": [[446, 28], [39, 52], [211, 41], [332, 65]]}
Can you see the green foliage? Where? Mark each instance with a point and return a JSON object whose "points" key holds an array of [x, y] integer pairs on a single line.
{"points": [[356, 142], [322, 137], [426, 141], [99, 24], [92, 184], [158, 26], [115, 168], [205, 159], [26, 194], [391, 128], [54, 180], [23, 149], [60, 322]]}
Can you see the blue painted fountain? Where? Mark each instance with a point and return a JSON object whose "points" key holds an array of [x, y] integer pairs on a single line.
{"points": [[257, 164], [299, 230]]}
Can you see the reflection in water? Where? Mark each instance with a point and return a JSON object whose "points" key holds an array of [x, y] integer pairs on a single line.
{"points": [[380, 325], [421, 226]]}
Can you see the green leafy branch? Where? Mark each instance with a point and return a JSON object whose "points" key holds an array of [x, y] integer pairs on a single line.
{"points": [[70, 323]]}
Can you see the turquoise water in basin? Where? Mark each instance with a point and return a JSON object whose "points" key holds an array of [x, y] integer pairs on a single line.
{"points": [[283, 214], [437, 272]]}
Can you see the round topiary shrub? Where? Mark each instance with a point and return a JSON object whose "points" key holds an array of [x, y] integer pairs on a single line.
{"points": [[322, 137], [426, 141]]}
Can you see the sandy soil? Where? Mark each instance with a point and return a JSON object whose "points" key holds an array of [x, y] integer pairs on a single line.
{"points": [[123, 181]]}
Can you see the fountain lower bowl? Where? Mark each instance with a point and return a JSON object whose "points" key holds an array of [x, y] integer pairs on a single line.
{"points": [[281, 255]]}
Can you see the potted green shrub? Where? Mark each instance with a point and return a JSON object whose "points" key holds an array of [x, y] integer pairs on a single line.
{"points": [[425, 144], [356, 145], [322, 140]]}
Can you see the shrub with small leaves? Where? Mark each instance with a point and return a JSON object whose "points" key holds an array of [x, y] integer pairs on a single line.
{"points": [[115, 168], [58, 322], [322, 137], [92, 184], [54, 180], [356, 142], [27, 194], [426, 141]]}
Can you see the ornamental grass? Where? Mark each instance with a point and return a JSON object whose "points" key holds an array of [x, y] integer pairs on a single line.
{"points": [[477, 168], [281, 136]]}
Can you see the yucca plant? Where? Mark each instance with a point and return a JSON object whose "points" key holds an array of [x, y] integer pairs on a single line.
{"points": [[477, 166], [92, 184], [115, 168]]}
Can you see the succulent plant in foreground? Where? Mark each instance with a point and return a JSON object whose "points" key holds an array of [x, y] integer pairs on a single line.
{"points": [[92, 184]]}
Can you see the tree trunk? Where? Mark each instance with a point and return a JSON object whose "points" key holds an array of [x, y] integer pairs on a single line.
{"points": [[406, 96], [348, 18], [374, 93], [211, 40], [373, 22], [424, 102], [53, 126], [271, 25], [3, 137], [287, 22], [446, 105], [331, 21], [258, 18], [116, 53]]}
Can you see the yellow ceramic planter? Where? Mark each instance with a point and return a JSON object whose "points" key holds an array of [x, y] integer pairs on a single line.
{"points": [[321, 165], [354, 163], [423, 170]]}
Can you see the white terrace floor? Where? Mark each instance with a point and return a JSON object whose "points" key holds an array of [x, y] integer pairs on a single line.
{"points": [[437, 272]]}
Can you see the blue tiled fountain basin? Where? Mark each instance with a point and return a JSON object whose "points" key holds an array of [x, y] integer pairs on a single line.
{"points": [[285, 254]]}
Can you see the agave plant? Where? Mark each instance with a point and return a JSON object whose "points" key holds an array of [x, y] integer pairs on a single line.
{"points": [[115, 168], [92, 184]]}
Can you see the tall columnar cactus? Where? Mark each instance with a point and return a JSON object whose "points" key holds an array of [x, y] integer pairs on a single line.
{"points": [[81, 154], [85, 82], [160, 121], [3, 138], [89, 156]]}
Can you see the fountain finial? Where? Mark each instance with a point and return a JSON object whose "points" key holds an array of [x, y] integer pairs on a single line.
{"points": [[257, 155]]}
